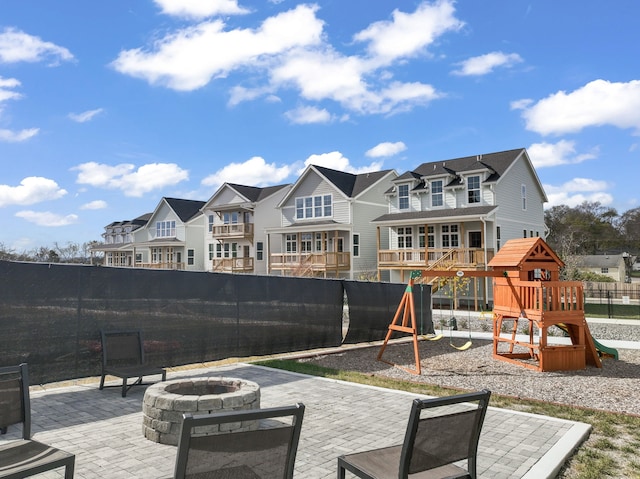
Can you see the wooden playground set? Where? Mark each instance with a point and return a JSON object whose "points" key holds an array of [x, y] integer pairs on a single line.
{"points": [[526, 286]]}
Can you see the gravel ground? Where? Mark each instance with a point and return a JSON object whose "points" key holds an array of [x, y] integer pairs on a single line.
{"points": [[614, 387]]}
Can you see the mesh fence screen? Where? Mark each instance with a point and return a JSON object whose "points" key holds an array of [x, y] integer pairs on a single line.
{"points": [[51, 315]]}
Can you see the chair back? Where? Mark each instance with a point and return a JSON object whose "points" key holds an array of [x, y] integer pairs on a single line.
{"points": [[15, 407], [442, 431], [267, 450], [122, 348]]}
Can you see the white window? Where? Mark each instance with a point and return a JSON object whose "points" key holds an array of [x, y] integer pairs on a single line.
{"points": [[156, 255], [356, 245], [191, 256], [450, 238], [473, 189], [403, 197], [405, 238], [210, 218], [437, 198], [165, 229], [230, 218], [314, 207], [306, 240], [259, 250], [211, 252], [523, 193], [291, 243]]}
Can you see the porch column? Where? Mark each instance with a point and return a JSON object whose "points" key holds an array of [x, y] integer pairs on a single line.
{"points": [[378, 252]]}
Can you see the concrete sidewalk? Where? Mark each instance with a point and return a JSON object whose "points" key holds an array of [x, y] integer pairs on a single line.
{"points": [[104, 430]]}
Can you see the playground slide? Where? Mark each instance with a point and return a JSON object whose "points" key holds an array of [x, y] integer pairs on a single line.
{"points": [[603, 350]]}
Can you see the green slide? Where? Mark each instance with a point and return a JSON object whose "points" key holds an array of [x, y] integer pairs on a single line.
{"points": [[603, 350]]}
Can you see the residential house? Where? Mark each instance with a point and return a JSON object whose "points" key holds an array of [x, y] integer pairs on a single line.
{"points": [[615, 266], [456, 213], [118, 247], [172, 239], [325, 224], [168, 238], [237, 217]]}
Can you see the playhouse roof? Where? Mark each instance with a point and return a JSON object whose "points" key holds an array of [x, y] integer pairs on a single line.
{"points": [[516, 252]]}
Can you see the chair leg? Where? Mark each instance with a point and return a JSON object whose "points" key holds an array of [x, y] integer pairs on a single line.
{"points": [[124, 387], [101, 382], [68, 469], [341, 471]]}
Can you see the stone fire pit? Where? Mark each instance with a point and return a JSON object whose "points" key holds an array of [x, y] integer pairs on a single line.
{"points": [[165, 403]]}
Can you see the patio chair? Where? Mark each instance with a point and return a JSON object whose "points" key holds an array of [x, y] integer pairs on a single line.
{"points": [[123, 357], [267, 452], [24, 457], [440, 432]]}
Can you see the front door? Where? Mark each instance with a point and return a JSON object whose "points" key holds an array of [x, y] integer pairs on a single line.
{"points": [[475, 239]]}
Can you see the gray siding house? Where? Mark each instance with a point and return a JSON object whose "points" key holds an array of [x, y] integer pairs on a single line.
{"points": [[237, 217], [325, 224], [456, 213]]}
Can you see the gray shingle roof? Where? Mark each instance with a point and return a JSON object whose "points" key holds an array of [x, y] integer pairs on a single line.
{"points": [[351, 185], [185, 209]]}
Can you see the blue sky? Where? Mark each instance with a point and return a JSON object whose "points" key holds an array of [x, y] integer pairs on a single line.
{"points": [[106, 107]]}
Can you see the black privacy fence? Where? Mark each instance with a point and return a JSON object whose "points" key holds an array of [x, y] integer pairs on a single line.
{"points": [[51, 315]]}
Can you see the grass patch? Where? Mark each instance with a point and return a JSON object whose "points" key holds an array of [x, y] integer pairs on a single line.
{"points": [[610, 451]]}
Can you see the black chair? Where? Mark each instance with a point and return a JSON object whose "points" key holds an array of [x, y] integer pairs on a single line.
{"points": [[123, 357], [25, 457], [440, 432], [264, 452]]}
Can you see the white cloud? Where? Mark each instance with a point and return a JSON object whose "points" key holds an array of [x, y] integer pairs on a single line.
{"points": [[17, 46], [85, 116], [308, 114], [483, 64], [33, 189], [125, 177], [190, 58], [46, 218], [94, 205], [11, 136], [598, 103], [198, 9], [6, 84], [577, 191], [253, 172], [410, 33], [386, 149], [337, 161], [554, 154], [291, 49]]}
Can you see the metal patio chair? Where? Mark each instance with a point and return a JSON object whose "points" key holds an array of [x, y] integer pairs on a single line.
{"points": [[24, 457], [268, 452], [440, 432], [123, 357]]}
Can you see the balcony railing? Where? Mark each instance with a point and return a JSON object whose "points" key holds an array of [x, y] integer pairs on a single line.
{"points": [[233, 265], [174, 266], [310, 264], [423, 258], [233, 230]]}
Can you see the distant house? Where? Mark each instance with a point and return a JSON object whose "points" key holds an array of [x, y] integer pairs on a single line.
{"points": [[325, 224], [168, 238], [237, 217], [615, 266], [456, 213], [118, 246]]}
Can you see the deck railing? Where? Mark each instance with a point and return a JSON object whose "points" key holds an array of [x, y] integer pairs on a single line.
{"points": [[236, 230], [233, 265], [305, 264], [422, 258], [536, 298]]}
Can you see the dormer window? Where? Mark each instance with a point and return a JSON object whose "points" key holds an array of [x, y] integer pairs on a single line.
{"points": [[436, 193], [473, 189], [403, 197]]}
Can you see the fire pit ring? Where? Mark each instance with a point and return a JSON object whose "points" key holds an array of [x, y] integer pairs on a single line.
{"points": [[165, 402]]}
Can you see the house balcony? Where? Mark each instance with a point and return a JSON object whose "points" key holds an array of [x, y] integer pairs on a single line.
{"points": [[310, 264], [405, 259], [233, 265], [233, 230]]}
